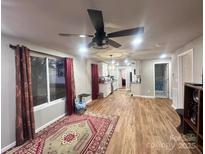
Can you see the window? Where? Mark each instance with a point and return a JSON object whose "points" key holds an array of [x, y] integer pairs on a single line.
{"points": [[56, 78], [39, 80], [48, 82]]}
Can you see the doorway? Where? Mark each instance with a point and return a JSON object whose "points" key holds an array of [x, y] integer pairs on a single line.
{"points": [[185, 74], [122, 78], [123, 83], [161, 76]]}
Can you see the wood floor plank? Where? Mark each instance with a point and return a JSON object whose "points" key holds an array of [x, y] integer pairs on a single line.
{"points": [[145, 126]]}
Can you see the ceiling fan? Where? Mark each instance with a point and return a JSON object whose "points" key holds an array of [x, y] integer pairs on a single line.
{"points": [[100, 39]]}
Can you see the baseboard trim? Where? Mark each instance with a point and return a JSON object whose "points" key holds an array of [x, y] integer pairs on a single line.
{"points": [[4, 149], [144, 96], [49, 123], [174, 107], [88, 102]]}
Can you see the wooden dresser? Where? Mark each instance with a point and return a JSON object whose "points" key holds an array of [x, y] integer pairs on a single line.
{"points": [[193, 111]]}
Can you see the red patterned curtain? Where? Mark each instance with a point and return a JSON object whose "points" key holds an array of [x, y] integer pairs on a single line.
{"points": [[95, 84], [25, 128], [70, 85]]}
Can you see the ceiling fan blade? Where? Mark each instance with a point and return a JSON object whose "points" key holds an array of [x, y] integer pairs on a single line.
{"points": [[113, 43], [127, 32], [97, 19], [75, 35]]}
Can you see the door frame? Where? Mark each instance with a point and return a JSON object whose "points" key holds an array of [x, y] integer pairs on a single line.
{"points": [[179, 67], [169, 76]]}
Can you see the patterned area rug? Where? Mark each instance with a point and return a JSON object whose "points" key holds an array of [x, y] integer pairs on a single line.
{"points": [[75, 134]]}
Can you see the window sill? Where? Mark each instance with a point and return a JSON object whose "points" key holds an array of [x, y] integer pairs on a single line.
{"points": [[45, 105]]}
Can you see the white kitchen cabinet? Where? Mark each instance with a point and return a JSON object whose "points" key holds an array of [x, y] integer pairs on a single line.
{"points": [[112, 70], [103, 69], [115, 85], [138, 67], [105, 88]]}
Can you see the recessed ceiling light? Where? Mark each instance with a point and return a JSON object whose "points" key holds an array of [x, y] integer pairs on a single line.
{"points": [[83, 49], [163, 56], [138, 40], [126, 61], [82, 36]]}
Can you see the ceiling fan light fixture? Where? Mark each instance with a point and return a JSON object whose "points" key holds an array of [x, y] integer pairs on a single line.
{"points": [[96, 46], [102, 40]]}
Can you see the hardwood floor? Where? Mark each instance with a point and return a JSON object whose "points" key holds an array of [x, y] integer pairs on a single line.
{"points": [[145, 126]]}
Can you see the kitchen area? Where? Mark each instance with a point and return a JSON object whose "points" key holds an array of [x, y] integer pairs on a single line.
{"points": [[107, 79], [136, 81], [123, 76]]}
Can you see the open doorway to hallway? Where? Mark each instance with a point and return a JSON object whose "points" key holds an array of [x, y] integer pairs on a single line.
{"points": [[161, 76], [122, 78]]}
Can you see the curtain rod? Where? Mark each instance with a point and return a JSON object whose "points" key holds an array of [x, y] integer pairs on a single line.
{"points": [[15, 46]]}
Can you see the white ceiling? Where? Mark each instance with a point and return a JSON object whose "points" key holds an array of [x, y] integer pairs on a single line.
{"points": [[168, 23]]}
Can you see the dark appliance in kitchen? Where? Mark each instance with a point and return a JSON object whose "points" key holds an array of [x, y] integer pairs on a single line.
{"points": [[112, 80], [123, 82], [130, 77]]}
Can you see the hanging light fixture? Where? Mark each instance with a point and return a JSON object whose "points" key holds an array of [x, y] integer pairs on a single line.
{"points": [[112, 60], [112, 63]]}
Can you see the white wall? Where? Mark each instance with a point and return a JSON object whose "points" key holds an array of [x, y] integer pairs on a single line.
{"points": [[147, 76], [197, 46], [82, 75]]}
